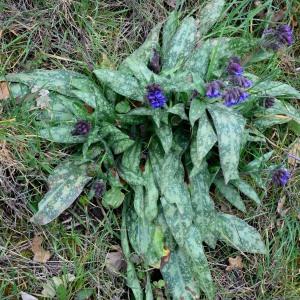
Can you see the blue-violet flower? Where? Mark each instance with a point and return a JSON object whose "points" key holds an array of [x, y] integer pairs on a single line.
{"points": [[241, 81], [285, 34], [81, 128], [268, 102], [99, 188], [155, 96], [234, 96], [213, 89], [278, 37], [281, 177], [234, 67]]}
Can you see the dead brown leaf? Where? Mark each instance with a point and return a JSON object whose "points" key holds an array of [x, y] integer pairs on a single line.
{"points": [[282, 212], [234, 263], [40, 254], [4, 91], [294, 153], [114, 261], [171, 3]]}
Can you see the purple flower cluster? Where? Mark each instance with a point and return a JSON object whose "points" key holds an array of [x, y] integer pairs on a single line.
{"points": [[99, 189], [276, 38], [234, 96], [241, 81], [268, 102], [213, 89], [81, 128], [156, 96], [234, 67], [281, 177], [235, 93]]}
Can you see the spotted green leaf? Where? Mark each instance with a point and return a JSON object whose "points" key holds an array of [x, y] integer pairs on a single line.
{"points": [[256, 164], [122, 83], [203, 206], [197, 109], [175, 198], [273, 88], [169, 30], [61, 134], [179, 110], [178, 275], [66, 184], [146, 239], [230, 194], [132, 280], [205, 138], [181, 45], [246, 189], [68, 83], [144, 52], [116, 139], [210, 51], [165, 135], [123, 107], [148, 289], [55, 80], [151, 193], [61, 108], [279, 113], [198, 261], [209, 15], [230, 129], [239, 234], [113, 198]]}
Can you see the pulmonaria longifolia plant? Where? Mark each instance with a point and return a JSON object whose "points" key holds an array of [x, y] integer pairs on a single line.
{"points": [[162, 135]]}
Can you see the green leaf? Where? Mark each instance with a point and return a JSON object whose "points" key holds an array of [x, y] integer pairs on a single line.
{"points": [[61, 108], [181, 45], [116, 139], [230, 129], [54, 80], [197, 109], [61, 134], [66, 184], [211, 51], [65, 82], [239, 234], [231, 194], [203, 206], [121, 83], [123, 107], [148, 289], [279, 113], [146, 239], [113, 198], [165, 135], [169, 30], [144, 52], [175, 198], [295, 127], [198, 261], [151, 193], [179, 278], [256, 164], [141, 111], [205, 139], [209, 15], [132, 280], [179, 110], [272, 88], [246, 189]]}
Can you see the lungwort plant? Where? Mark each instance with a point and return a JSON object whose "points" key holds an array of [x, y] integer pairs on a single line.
{"points": [[157, 136]]}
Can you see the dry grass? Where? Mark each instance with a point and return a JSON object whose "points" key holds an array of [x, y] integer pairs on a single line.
{"points": [[75, 35]]}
